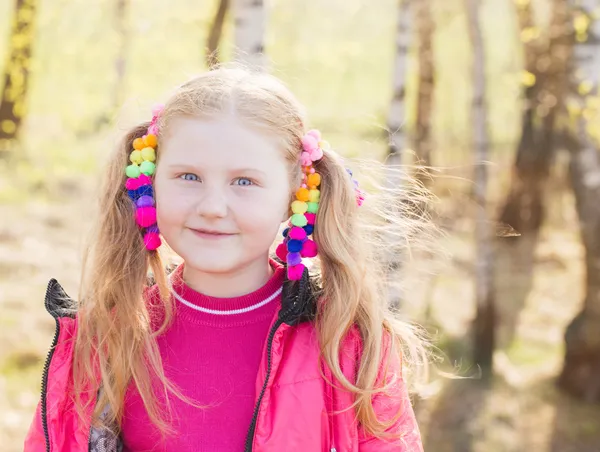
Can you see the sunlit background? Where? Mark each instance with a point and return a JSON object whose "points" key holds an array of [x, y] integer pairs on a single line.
{"points": [[78, 73]]}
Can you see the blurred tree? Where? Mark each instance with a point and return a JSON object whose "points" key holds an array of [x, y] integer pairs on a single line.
{"points": [[16, 73], [422, 138], [544, 87], [544, 84], [484, 322], [122, 30], [581, 372], [250, 22], [397, 133], [122, 35], [214, 36], [397, 115]]}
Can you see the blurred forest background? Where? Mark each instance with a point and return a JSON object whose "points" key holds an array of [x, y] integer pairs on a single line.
{"points": [[499, 98]]}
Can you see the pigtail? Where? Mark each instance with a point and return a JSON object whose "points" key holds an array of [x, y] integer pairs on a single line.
{"points": [[115, 342], [354, 247]]}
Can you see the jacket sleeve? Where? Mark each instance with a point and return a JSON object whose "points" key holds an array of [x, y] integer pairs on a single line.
{"points": [[35, 441], [387, 405]]}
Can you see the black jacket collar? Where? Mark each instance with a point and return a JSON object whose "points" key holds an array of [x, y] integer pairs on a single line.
{"points": [[298, 300]]}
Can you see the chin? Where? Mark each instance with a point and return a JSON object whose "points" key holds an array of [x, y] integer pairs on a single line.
{"points": [[211, 262]]}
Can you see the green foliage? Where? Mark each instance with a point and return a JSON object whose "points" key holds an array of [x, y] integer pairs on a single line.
{"points": [[341, 69]]}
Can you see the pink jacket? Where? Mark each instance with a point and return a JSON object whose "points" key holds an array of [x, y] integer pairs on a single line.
{"points": [[292, 403]]}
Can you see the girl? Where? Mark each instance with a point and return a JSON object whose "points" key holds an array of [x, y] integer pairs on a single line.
{"points": [[234, 350]]}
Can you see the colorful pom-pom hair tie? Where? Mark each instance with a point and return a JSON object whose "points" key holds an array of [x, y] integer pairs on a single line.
{"points": [[360, 195], [297, 244], [139, 182]]}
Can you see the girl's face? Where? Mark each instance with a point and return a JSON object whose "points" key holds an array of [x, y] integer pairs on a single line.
{"points": [[222, 191]]}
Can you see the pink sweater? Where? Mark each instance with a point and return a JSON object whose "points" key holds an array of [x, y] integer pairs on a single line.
{"points": [[213, 359]]}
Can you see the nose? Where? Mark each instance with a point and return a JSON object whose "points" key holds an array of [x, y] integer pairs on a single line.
{"points": [[213, 204]]}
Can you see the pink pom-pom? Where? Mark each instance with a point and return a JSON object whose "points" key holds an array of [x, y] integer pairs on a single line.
{"points": [[316, 154], [309, 249], [309, 143], [360, 197], [314, 133], [281, 251], [152, 240], [297, 233], [305, 159], [310, 218], [312, 171], [295, 272], [132, 183], [304, 186], [144, 180], [157, 109], [145, 216]]}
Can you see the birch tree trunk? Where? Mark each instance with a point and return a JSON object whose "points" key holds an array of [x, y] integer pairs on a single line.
{"points": [[16, 73], [484, 322], [250, 23], [397, 135], [397, 115], [214, 36], [581, 371], [122, 29], [422, 138]]}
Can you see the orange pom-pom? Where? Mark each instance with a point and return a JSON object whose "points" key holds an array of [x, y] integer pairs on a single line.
{"points": [[302, 194], [313, 180], [138, 144], [150, 140]]}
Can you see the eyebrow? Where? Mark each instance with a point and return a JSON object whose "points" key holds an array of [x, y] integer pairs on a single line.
{"points": [[188, 167]]}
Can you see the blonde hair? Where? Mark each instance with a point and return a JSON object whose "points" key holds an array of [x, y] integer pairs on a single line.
{"points": [[115, 342]]}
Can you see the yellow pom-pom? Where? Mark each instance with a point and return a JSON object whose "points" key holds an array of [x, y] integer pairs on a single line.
{"points": [[148, 154], [138, 144], [136, 157], [302, 194], [314, 195], [299, 207], [313, 180], [150, 140], [324, 145]]}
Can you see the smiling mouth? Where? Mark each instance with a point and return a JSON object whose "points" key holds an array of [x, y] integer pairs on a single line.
{"points": [[205, 233]]}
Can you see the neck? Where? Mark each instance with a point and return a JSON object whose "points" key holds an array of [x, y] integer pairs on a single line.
{"points": [[235, 283]]}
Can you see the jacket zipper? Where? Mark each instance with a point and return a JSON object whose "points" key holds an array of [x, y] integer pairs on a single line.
{"points": [[278, 323], [45, 378]]}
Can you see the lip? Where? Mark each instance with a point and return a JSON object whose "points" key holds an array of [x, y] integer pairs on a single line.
{"points": [[211, 234]]}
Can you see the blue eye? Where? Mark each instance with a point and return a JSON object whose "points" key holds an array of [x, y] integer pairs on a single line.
{"points": [[189, 176], [244, 182]]}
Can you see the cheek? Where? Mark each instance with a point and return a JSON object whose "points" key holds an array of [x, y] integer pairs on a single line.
{"points": [[265, 214], [171, 207]]}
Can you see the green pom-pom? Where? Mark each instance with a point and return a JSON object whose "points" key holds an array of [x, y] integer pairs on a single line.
{"points": [[313, 207], [132, 171], [147, 168], [298, 219]]}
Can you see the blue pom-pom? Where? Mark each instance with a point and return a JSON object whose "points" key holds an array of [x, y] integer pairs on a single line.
{"points": [[309, 228], [294, 246], [145, 190], [285, 232]]}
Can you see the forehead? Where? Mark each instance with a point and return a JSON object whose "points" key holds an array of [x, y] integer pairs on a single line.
{"points": [[219, 142]]}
